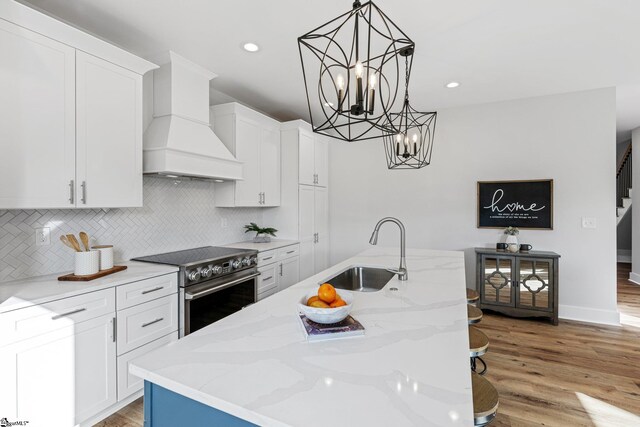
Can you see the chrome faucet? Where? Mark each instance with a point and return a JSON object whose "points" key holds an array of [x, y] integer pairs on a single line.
{"points": [[402, 271]]}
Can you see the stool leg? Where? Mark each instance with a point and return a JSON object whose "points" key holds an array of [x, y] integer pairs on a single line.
{"points": [[484, 364]]}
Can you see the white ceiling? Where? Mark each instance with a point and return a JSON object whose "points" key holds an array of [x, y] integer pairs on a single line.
{"points": [[497, 49]]}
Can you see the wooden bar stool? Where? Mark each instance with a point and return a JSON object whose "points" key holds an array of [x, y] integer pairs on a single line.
{"points": [[474, 314], [485, 400], [478, 344], [472, 296]]}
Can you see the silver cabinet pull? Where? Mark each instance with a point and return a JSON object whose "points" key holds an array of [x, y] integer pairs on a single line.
{"points": [[144, 325], [148, 291], [60, 316], [115, 329], [71, 191], [264, 198], [280, 269], [84, 192], [267, 258], [267, 278], [290, 252]]}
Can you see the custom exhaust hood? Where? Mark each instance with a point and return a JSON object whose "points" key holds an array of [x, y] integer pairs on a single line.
{"points": [[179, 142]]}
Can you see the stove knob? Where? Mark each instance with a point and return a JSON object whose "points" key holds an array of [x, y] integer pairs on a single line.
{"points": [[246, 262], [193, 275], [205, 272], [254, 260], [236, 263], [217, 270]]}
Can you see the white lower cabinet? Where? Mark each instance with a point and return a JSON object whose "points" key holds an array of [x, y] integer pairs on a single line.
{"points": [[63, 377], [65, 363], [279, 269]]}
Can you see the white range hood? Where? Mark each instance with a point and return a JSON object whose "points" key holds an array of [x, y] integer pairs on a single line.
{"points": [[179, 141]]}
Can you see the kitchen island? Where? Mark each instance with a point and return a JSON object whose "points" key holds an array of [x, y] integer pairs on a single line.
{"points": [[255, 366]]}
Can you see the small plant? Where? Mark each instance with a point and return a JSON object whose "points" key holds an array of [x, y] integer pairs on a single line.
{"points": [[252, 226], [511, 231]]}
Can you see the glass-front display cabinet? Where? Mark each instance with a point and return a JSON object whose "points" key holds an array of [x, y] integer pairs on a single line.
{"points": [[521, 284]]}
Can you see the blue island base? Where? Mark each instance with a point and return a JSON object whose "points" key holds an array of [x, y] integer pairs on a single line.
{"points": [[164, 408]]}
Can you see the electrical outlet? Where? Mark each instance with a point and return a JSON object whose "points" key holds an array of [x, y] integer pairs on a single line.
{"points": [[223, 222], [588, 222], [43, 236]]}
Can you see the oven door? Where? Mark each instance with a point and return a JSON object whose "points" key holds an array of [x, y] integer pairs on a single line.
{"points": [[211, 301]]}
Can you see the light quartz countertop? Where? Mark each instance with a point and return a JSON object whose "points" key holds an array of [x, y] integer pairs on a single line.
{"points": [[410, 368], [39, 290], [261, 247]]}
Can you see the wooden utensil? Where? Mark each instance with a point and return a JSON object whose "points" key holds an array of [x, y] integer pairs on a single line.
{"points": [[66, 241], [85, 240], [72, 239]]}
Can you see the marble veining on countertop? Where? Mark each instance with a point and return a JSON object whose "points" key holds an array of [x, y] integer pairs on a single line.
{"points": [[39, 290], [261, 247], [410, 368]]}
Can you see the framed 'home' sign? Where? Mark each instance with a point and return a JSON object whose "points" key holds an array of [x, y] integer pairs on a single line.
{"points": [[522, 204]]}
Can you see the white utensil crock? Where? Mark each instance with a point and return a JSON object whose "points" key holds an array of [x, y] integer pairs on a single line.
{"points": [[87, 263], [106, 256]]}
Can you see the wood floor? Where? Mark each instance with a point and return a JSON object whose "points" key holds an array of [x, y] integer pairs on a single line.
{"points": [[573, 374]]}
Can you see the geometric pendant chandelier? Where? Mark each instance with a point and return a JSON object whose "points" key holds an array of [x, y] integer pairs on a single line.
{"points": [[353, 73], [408, 135]]}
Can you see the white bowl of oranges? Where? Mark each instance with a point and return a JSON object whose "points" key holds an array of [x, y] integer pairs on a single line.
{"points": [[326, 305]]}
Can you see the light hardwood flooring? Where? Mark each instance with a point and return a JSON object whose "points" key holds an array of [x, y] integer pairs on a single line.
{"points": [[573, 374]]}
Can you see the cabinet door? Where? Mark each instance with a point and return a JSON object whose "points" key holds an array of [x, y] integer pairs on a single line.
{"points": [[306, 162], [248, 135], [497, 281], [109, 134], [268, 279], [270, 166], [306, 231], [321, 225], [37, 120], [289, 273], [63, 377], [535, 284], [321, 159]]}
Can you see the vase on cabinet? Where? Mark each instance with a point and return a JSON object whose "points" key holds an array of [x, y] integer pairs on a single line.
{"points": [[261, 238], [512, 243]]}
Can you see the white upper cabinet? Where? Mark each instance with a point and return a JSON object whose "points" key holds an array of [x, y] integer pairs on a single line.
{"points": [[254, 139], [312, 150], [108, 134], [37, 120], [70, 122]]}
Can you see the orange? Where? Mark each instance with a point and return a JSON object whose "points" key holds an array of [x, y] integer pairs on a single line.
{"points": [[318, 304], [327, 293], [337, 303], [312, 299]]}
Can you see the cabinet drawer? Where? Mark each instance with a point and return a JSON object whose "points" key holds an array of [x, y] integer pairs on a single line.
{"points": [[146, 290], [267, 257], [268, 278], [127, 383], [144, 323], [288, 252], [32, 321], [267, 293]]}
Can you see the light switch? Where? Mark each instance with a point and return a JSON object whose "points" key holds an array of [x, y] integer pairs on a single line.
{"points": [[588, 222], [43, 236]]}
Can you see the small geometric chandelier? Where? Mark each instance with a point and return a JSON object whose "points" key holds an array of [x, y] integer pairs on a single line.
{"points": [[408, 135], [352, 72]]}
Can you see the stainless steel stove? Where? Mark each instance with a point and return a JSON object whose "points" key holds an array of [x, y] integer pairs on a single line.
{"points": [[214, 283]]}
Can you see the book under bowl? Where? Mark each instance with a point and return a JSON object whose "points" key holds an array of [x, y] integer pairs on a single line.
{"points": [[348, 327]]}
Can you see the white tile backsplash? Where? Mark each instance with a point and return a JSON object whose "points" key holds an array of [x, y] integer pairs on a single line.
{"points": [[176, 215]]}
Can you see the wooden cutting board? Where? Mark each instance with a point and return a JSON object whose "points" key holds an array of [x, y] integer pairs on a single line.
{"points": [[73, 278]]}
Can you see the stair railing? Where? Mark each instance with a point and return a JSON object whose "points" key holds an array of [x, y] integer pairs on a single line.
{"points": [[624, 177]]}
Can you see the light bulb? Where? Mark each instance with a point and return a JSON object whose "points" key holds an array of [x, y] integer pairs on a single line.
{"points": [[399, 137], [359, 70], [415, 137], [372, 81], [340, 82]]}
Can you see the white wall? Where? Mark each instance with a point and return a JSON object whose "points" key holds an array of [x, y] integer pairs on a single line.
{"points": [[569, 138], [635, 201]]}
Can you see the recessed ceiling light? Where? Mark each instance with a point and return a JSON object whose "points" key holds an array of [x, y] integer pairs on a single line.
{"points": [[218, 180], [251, 47], [451, 85]]}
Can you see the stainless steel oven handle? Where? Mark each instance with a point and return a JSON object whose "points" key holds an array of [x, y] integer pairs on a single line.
{"points": [[190, 296]]}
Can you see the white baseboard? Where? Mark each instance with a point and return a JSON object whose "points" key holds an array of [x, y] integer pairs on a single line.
{"points": [[634, 277], [624, 255], [590, 315]]}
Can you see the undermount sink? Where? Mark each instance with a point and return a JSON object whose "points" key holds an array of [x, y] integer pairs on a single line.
{"points": [[361, 279]]}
